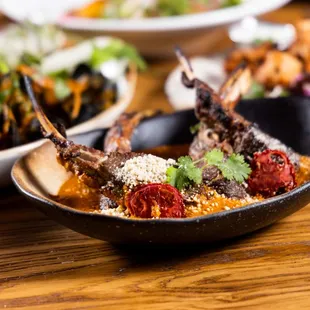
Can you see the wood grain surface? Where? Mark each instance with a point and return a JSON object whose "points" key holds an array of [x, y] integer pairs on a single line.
{"points": [[46, 266]]}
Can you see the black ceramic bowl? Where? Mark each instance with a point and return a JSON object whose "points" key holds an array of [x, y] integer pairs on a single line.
{"points": [[38, 176]]}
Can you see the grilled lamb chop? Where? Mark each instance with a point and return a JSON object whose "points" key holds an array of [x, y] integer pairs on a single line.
{"points": [[224, 128], [93, 167], [118, 138]]}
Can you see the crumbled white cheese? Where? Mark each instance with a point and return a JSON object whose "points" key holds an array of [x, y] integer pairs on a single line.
{"points": [[143, 170]]}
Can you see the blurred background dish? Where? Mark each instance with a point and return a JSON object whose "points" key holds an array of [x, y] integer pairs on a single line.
{"points": [[82, 85], [154, 37], [278, 56]]}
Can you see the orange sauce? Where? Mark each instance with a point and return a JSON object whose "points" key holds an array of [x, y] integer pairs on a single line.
{"points": [[79, 196]]}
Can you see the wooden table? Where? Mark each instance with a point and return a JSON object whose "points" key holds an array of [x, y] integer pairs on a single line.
{"points": [[44, 265]]}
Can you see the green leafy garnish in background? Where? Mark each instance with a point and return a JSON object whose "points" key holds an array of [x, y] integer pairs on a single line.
{"points": [[30, 59], [257, 90], [116, 49], [173, 7], [61, 74], [261, 41], [4, 67], [193, 129], [62, 91], [228, 3], [185, 172]]}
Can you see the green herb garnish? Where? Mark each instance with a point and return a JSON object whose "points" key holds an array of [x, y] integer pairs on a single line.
{"points": [[173, 7], [116, 49], [261, 41], [234, 168], [193, 129], [229, 3], [62, 91], [257, 90], [30, 59], [186, 173], [61, 74], [4, 67]]}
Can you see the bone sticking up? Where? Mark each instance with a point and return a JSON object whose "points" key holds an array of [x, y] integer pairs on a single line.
{"points": [[222, 127], [118, 138], [49, 129], [92, 166]]}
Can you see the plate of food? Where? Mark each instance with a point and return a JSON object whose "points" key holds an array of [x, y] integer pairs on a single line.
{"points": [[154, 26], [82, 86], [279, 61], [203, 176]]}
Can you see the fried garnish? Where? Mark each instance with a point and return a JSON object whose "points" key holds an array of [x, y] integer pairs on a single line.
{"points": [[279, 68], [252, 56]]}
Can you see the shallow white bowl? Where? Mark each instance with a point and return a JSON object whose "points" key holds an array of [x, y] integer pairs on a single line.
{"points": [[154, 37], [104, 119]]}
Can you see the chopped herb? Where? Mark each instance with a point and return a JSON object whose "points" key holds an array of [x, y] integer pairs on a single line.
{"points": [[193, 129], [285, 93], [229, 3], [173, 7], [116, 49], [30, 59], [261, 41], [184, 173], [257, 90], [4, 67], [61, 74], [61, 89]]}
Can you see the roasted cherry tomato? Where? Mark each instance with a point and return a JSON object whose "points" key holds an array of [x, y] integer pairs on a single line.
{"points": [[155, 200], [272, 173]]}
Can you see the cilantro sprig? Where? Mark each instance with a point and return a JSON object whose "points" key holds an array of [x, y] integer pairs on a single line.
{"points": [[186, 173], [233, 168]]}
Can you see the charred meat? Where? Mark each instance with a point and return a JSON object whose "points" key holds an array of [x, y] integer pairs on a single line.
{"points": [[226, 129]]}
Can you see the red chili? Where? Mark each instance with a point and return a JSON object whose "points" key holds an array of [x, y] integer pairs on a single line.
{"points": [[272, 173], [143, 201]]}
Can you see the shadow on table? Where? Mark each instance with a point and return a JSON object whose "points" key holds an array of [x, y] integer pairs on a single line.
{"points": [[221, 252]]}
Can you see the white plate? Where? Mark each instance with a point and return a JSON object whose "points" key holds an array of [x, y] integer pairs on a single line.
{"points": [[152, 36]]}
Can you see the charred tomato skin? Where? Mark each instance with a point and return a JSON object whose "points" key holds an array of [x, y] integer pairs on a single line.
{"points": [[272, 173], [144, 198]]}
